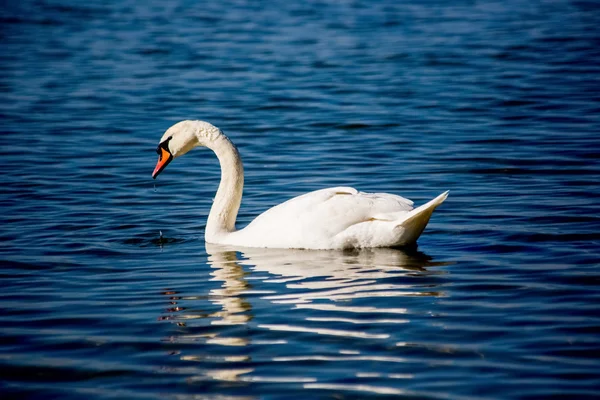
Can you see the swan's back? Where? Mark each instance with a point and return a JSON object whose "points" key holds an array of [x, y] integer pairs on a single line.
{"points": [[337, 217]]}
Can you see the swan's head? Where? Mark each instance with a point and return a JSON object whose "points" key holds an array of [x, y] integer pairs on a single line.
{"points": [[181, 138]]}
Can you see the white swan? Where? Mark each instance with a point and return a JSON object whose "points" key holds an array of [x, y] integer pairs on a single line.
{"points": [[333, 218]]}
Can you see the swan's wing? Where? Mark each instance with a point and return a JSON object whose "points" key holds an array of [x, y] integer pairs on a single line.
{"points": [[338, 202], [319, 216]]}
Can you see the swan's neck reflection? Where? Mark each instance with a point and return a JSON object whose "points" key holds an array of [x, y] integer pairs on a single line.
{"points": [[235, 309]]}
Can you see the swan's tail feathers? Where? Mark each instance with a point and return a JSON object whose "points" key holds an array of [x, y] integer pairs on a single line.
{"points": [[414, 223]]}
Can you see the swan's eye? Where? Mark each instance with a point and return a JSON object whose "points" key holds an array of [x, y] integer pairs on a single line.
{"points": [[163, 145]]}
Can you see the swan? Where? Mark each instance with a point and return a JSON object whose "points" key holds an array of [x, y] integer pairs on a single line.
{"points": [[332, 218]]}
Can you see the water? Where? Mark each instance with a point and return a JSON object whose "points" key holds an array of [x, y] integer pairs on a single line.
{"points": [[108, 291]]}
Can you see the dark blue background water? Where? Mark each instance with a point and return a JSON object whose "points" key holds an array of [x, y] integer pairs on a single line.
{"points": [[496, 101]]}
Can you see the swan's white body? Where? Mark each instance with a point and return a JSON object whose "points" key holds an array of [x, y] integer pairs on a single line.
{"points": [[333, 218]]}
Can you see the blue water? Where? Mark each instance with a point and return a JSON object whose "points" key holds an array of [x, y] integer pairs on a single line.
{"points": [[496, 101]]}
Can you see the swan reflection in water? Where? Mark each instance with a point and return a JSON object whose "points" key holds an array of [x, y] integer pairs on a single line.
{"points": [[310, 275], [325, 283]]}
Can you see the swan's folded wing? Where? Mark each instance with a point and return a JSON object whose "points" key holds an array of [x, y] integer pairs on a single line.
{"points": [[338, 217], [330, 211]]}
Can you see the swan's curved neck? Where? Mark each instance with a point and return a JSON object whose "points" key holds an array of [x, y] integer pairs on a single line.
{"points": [[226, 205]]}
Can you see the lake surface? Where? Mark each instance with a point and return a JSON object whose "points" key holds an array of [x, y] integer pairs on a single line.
{"points": [[496, 101]]}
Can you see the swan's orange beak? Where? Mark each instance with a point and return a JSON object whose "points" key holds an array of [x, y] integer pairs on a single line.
{"points": [[164, 158]]}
